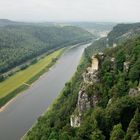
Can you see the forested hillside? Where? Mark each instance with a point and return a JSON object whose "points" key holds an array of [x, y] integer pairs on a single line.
{"points": [[19, 43], [98, 104], [100, 29], [122, 32]]}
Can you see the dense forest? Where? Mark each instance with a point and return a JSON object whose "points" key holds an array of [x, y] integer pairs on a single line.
{"points": [[116, 114], [19, 43]]}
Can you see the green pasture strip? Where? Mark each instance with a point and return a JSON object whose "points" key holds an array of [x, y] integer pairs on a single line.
{"points": [[17, 83]]}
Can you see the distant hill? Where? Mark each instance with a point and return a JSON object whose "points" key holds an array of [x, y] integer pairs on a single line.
{"points": [[118, 35], [122, 32], [98, 28], [5, 22]]}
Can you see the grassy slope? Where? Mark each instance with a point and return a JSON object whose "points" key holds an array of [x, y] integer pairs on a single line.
{"points": [[24, 76]]}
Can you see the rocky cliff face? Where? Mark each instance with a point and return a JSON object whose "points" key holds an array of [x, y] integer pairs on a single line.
{"points": [[90, 77]]}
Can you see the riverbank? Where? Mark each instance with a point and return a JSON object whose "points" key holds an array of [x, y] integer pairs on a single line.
{"points": [[23, 111], [23, 84], [22, 80], [60, 100]]}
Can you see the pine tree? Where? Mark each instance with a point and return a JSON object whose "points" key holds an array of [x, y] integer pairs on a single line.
{"points": [[117, 133], [134, 126]]}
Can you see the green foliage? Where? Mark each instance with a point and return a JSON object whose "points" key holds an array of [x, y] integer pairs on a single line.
{"points": [[1, 78], [136, 136], [108, 79], [133, 130], [114, 120], [123, 32], [121, 87], [134, 73], [53, 136], [106, 65], [96, 47], [97, 135], [20, 43], [117, 133], [120, 58], [64, 136]]}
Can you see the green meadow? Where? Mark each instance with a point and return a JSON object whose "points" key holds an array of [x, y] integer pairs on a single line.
{"points": [[25, 77]]}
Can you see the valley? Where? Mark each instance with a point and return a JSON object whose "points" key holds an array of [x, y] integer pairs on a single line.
{"points": [[30, 104]]}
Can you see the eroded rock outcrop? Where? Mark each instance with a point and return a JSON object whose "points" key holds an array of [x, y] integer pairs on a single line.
{"points": [[133, 92], [90, 77], [126, 66], [112, 60], [83, 102], [94, 100], [139, 86], [91, 74], [75, 120], [109, 102], [114, 45], [95, 64]]}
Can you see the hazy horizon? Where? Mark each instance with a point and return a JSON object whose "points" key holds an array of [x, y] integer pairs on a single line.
{"points": [[70, 10]]}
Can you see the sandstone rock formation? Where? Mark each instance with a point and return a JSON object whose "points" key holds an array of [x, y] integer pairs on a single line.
{"points": [[133, 92], [95, 64], [75, 120], [126, 66], [84, 103]]}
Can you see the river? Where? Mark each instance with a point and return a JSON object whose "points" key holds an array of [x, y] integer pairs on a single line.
{"points": [[22, 112]]}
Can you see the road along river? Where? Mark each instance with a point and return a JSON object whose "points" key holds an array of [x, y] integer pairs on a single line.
{"points": [[22, 112]]}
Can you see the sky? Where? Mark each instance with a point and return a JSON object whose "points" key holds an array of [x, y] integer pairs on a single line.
{"points": [[71, 10]]}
